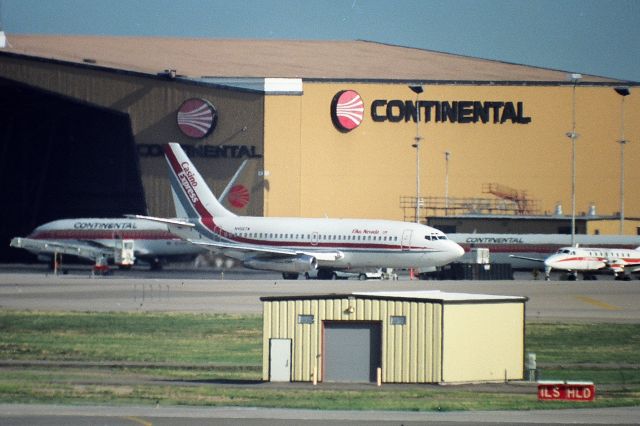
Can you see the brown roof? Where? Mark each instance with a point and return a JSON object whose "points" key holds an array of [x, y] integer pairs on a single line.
{"points": [[359, 60]]}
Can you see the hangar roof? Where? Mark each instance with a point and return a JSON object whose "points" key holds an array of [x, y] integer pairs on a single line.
{"points": [[433, 296], [332, 60]]}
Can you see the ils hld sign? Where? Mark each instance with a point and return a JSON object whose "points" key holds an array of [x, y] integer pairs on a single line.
{"points": [[566, 391]]}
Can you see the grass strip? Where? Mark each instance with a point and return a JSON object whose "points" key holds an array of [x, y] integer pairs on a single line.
{"points": [[213, 360]]}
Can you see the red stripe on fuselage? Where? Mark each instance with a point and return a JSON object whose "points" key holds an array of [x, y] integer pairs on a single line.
{"points": [[77, 234]]}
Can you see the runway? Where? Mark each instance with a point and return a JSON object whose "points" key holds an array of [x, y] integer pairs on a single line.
{"points": [[239, 293]]}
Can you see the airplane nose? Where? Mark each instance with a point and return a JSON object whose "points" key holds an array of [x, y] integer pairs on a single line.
{"points": [[456, 250]]}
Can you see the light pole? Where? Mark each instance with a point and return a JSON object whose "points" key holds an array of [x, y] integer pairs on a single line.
{"points": [[417, 90], [623, 92], [447, 154], [573, 136]]}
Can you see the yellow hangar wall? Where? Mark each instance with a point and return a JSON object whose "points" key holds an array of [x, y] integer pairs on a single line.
{"points": [[316, 170]]}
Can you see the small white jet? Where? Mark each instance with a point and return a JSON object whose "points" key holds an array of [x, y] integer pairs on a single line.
{"points": [[294, 246], [591, 259]]}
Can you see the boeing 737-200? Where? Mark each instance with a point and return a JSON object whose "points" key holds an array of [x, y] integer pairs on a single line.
{"points": [[298, 245]]}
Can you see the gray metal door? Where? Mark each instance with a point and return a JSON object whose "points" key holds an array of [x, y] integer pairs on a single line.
{"points": [[280, 360], [352, 351]]}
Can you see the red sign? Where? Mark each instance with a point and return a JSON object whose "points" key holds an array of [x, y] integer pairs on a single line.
{"points": [[566, 391]]}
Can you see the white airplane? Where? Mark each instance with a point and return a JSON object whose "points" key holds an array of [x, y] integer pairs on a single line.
{"points": [[528, 251], [591, 259], [120, 241], [298, 245]]}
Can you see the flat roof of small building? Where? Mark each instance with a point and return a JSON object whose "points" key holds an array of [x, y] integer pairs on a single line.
{"points": [[197, 58], [432, 296]]}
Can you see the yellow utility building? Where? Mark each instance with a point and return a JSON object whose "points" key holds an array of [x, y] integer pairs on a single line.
{"points": [[394, 337]]}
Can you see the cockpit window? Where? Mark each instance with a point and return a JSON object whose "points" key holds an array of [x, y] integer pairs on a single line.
{"points": [[435, 237]]}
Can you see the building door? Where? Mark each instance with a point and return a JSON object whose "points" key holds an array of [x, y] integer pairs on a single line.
{"points": [[406, 240], [280, 360], [352, 351]]}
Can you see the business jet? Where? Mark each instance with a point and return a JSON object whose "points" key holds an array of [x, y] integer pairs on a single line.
{"points": [[294, 246], [590, 260], [528, 251]]}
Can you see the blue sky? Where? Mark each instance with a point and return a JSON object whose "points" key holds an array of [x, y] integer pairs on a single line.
{"points": [[600, 37]]}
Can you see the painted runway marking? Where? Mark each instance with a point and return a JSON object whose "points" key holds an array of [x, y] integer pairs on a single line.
{"points": [[139, 421], [598, 303]]}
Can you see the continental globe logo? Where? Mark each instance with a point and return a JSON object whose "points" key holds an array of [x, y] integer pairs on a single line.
{"points": [[347, 110], [197, 118]]}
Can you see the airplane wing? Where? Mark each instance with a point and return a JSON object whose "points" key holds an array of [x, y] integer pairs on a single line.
{"points": [[187, 231], [330, 255], [534, 259], [619, 265], [81, 250]]}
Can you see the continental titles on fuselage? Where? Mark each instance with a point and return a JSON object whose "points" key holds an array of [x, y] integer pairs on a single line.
{"points": [[494, 240], [105, 226]]}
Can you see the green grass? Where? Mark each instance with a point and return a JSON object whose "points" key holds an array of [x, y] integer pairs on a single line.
{"points": [[197, 353], [584, 343], [176, 338]]}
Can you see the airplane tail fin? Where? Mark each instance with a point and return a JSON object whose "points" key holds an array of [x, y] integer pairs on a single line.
{"points": [[190, 189]]}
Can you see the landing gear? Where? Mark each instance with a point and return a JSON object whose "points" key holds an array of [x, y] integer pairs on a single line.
{"points": [[326, 274], [290, 275], [572, 276], [623, 277], [155, 264]]}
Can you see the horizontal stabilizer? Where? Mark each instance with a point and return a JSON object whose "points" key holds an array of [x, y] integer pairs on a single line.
{"points": [[175, 222]]}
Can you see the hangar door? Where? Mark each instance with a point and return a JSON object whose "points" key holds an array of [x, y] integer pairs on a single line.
{"points": [[62, 158], [352, 351]]}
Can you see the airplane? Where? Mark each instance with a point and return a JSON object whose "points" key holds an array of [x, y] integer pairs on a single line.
{"points": [[117, 240], [102, 240], [527, 251], [589, 260], [294, 246]]}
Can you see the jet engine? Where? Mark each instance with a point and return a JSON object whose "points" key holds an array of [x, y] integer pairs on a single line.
{"points": [[297, 264]]}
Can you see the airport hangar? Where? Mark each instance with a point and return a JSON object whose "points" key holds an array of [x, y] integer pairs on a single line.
{"points": [[327, 127]]}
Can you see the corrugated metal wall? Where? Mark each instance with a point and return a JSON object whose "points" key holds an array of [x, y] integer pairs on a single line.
{"points": [[411, 352]]}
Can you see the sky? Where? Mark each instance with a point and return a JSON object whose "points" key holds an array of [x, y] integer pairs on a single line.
{"points": [[598, 37]]}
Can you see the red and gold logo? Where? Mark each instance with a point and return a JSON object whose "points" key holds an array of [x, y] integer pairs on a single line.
{"points": [[347, 110]]}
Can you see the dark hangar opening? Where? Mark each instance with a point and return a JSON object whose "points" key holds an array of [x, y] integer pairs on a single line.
{"points": [[60, 158]]}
